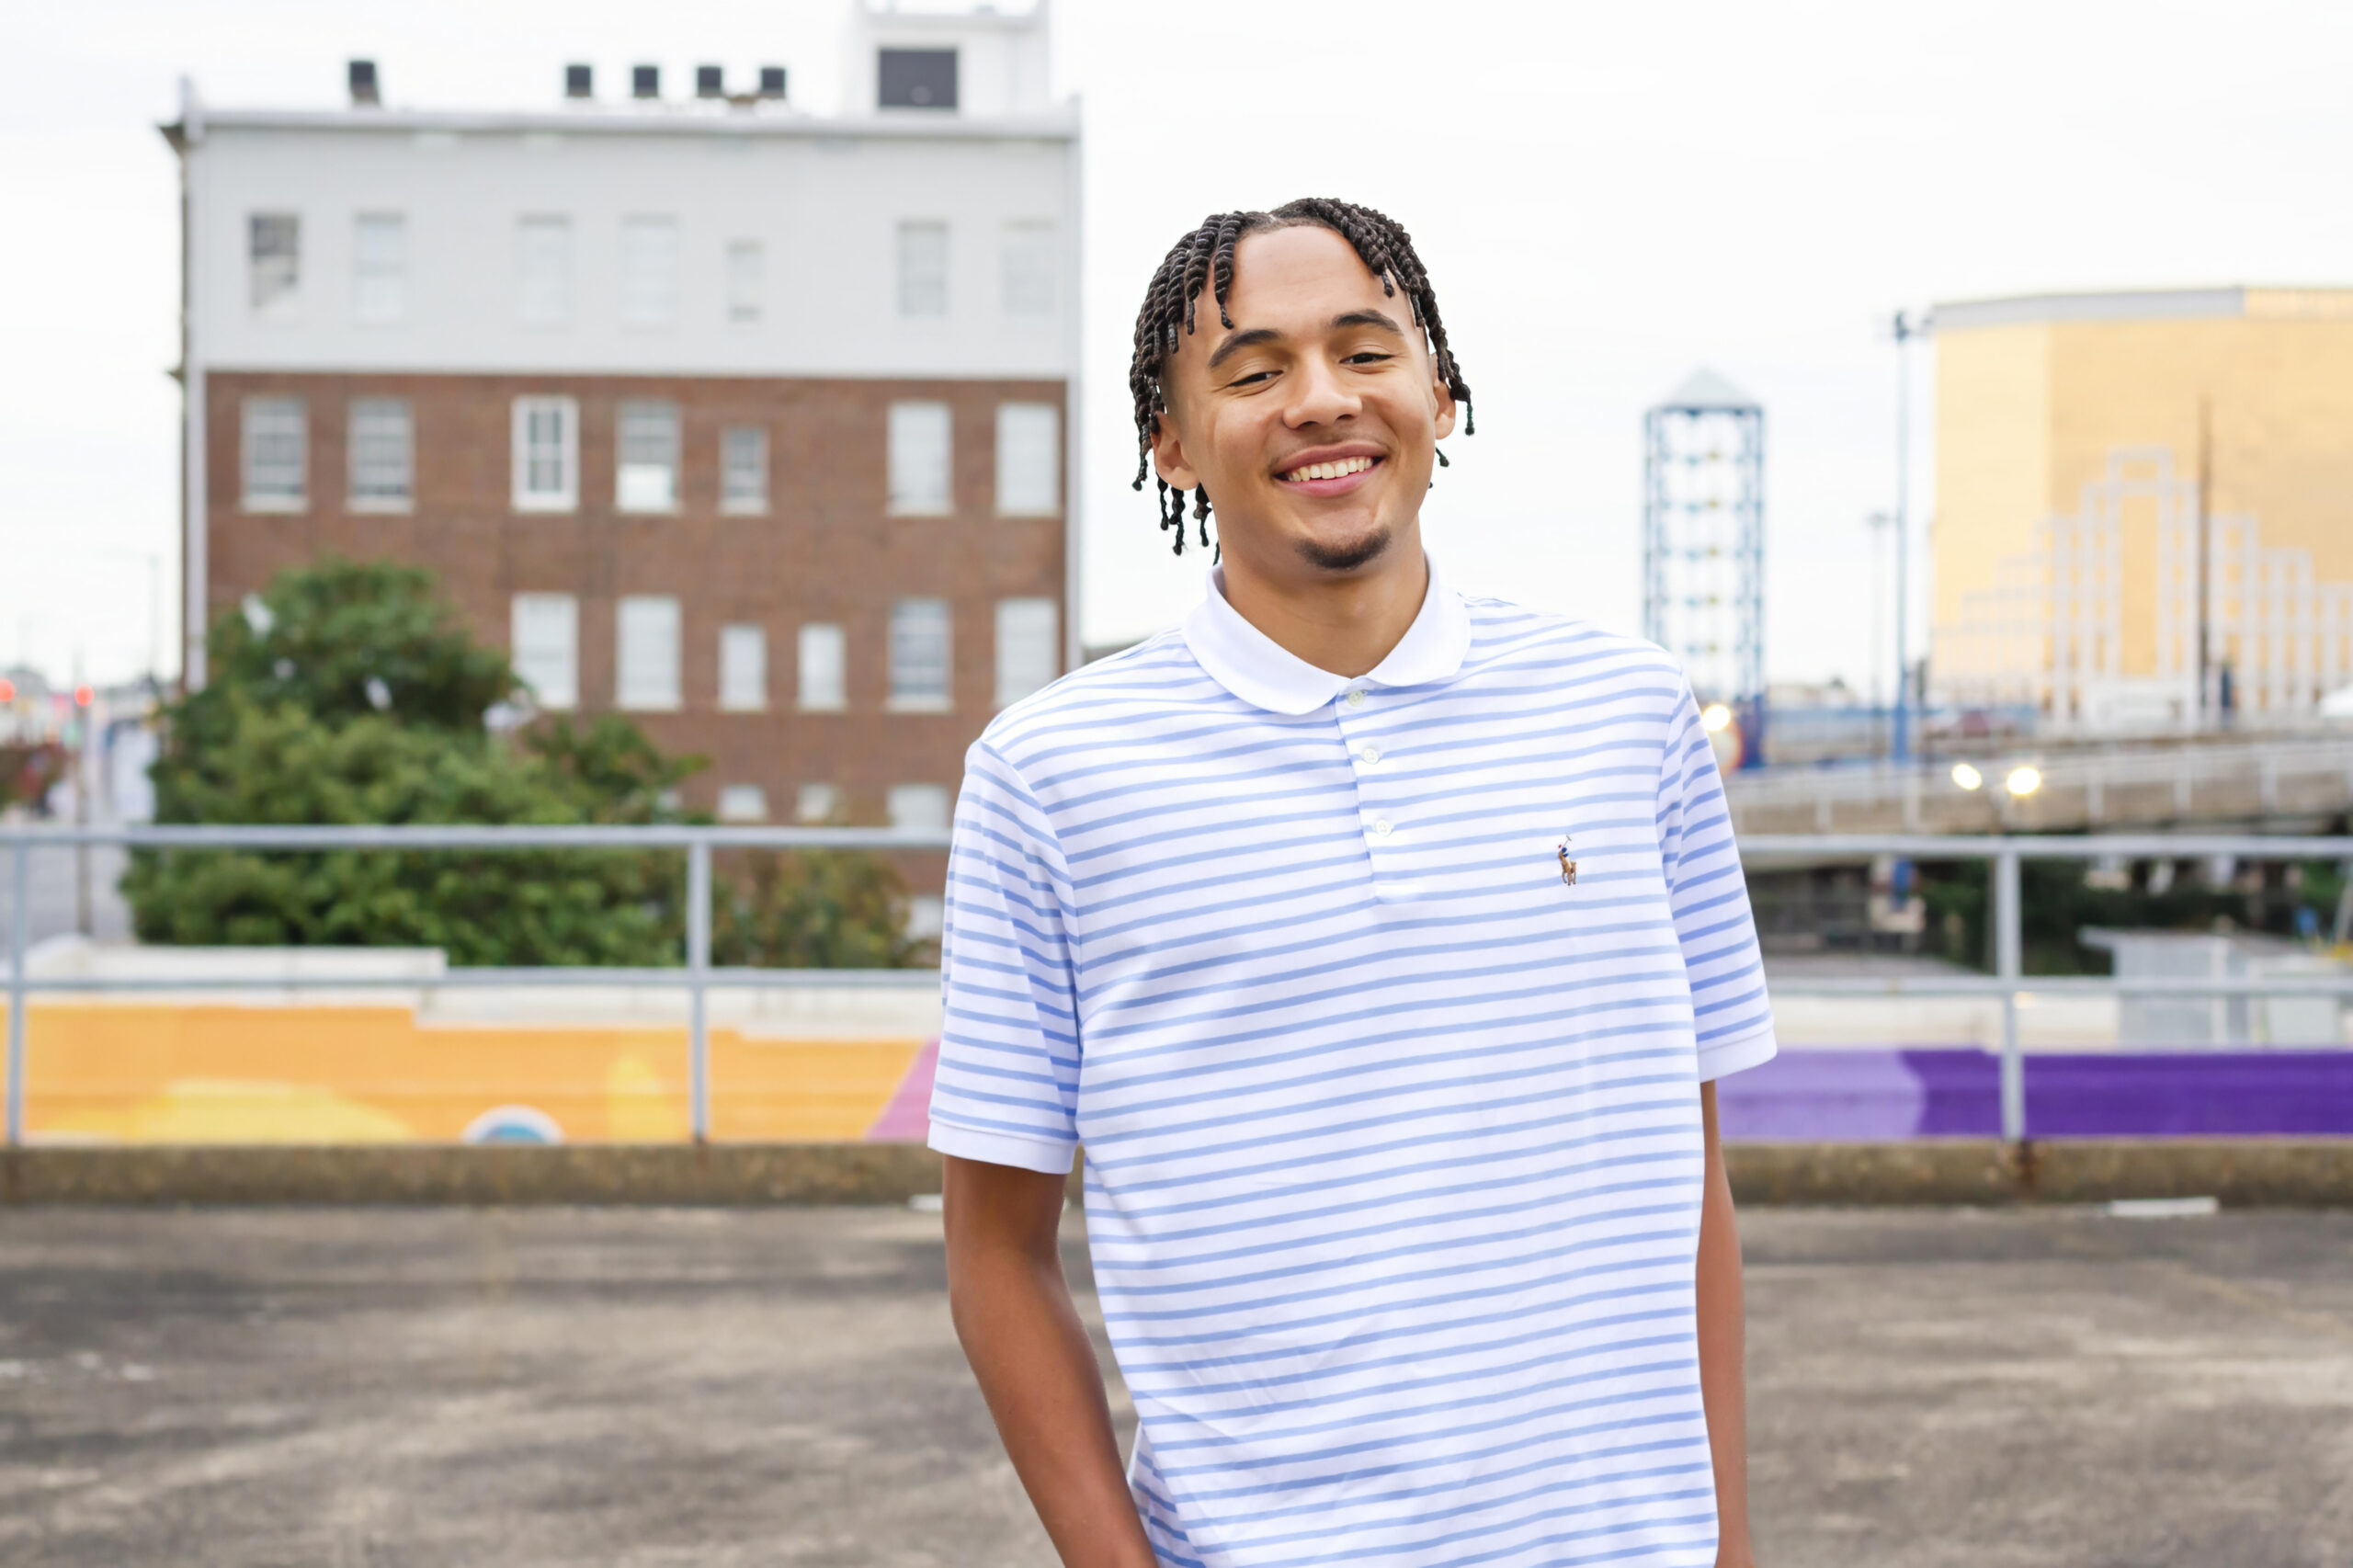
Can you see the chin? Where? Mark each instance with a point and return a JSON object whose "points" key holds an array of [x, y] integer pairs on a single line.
{"points": [[1346, 552]]}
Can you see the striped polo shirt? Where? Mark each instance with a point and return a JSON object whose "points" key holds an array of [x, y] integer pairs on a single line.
{"points": [[1392, 1135]]}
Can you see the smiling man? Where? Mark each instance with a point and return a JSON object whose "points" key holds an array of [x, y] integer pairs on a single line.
{"points": [[1380, 945]]}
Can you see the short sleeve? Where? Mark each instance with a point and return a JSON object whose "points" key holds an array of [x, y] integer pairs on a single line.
{"points": [[1006, 1088], [1708, 897]]}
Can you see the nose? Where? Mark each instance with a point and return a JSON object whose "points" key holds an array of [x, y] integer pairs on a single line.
{"points": [[1319, 395]]}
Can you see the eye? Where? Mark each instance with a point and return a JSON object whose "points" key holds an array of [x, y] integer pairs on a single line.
{"points": [[1252, 377], [1367, 356]]}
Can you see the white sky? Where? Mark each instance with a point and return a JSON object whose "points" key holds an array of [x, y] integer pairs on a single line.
{"points": [[1606, 196]]}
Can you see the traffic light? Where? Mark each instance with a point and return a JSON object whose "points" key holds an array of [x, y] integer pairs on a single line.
{"points": [[7, 691], [84, 696]]}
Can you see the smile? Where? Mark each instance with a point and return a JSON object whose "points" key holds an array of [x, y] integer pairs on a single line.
{"points": [[1339, 468]]}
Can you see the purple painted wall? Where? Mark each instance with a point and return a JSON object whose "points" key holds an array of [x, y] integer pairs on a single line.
{"points": [[1878, 1096]]}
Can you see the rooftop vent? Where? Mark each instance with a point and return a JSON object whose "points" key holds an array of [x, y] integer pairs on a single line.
{"points": [[709, 82], [361, 74], [645, 81], [916, 78], [579, 82], [772, 81]]}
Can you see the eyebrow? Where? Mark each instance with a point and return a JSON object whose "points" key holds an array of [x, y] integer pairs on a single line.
{"points": [[1259, 335]]}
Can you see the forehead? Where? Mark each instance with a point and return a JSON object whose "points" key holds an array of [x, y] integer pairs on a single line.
{"points": [[1303, 274]]}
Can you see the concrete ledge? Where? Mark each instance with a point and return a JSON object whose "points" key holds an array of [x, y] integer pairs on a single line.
{"points": [[2242, 1173], [651, 1174]]}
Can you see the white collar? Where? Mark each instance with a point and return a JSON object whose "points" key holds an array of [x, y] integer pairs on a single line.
{"points": [[1264, 674]]}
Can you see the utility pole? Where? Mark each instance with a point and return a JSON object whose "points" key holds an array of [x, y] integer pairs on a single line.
{"points": [[83, 713], [2205, 564], [1906, 329]]}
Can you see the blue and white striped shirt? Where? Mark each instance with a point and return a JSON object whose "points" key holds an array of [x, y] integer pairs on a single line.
{"points": [[1393, 1134]]}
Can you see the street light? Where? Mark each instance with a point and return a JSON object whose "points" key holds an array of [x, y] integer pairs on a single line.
{"points": [[1966, 776], [2024, 781], [1714, 716]]}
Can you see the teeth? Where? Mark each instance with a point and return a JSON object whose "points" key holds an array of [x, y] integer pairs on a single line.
{"points": [[1340, 470]]}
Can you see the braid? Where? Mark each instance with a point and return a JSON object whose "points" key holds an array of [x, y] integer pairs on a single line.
{"points": [[1204, 258]]}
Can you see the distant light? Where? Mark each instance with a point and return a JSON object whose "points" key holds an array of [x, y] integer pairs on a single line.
{"points": [[1714, 716], [84, 697], [2023, 781], [1966, 776], [7, 691]]}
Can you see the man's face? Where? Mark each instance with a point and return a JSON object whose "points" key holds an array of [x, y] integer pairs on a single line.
{"points": [[1313, 421]]}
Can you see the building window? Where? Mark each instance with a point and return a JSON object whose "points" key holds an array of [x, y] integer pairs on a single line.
{"points": [[742, 668], [1028, 460], [1028, 647], [649, 271], [920, 808], [646, 680], [381, 444], [920, 477], [823, 675], [743, 470], [543, 271], [919, 655], [914, 78], [276, 454], [546, 454], [273, 261], [544, 632], [745, 267], [378, 269], [817, 802], [1028, 269], [922, 268], [743, 802], [645, 479]]}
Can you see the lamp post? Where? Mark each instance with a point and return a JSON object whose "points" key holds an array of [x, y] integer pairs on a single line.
{"points": [[1908, 327]]}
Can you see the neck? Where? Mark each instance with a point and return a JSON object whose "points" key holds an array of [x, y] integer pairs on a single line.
{"points": [[1343, 622]]}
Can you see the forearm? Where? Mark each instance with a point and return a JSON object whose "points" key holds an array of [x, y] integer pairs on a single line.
{"points": [[1022, 1335], [1723, 1327]]}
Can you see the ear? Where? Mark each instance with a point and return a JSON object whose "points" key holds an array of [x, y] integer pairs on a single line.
{"points": [[1444, 401], [1168, 454]]}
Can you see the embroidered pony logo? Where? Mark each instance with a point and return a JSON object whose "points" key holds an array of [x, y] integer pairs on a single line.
{"points": [[1568, 866]]}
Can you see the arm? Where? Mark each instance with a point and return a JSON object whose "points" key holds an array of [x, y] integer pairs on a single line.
{"points": [[1022, 1333], [1722, 1327]]}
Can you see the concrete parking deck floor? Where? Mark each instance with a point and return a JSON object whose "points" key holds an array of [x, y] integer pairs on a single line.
{"points": [[631, 1387]]}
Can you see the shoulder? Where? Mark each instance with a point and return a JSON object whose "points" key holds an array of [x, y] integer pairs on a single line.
{"points": [[1094, 703], [1511, 638]]}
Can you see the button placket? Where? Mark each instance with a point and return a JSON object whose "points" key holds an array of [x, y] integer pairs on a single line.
{"points": [[1379, 826]]}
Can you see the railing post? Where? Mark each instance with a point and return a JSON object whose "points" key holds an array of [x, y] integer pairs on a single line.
{"points": [[2006, 964], [698, 970], [20, 920]]}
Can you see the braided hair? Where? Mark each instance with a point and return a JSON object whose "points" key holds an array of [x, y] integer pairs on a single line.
{"points": [[1205, 258]]}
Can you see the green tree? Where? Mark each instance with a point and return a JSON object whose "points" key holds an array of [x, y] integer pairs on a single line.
{"points": [[350, 693]]}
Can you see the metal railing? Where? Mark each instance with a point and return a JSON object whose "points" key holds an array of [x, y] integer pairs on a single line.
{"points": [[2251, 773], [697, 977]]}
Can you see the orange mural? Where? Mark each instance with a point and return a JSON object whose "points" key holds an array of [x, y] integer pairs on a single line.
{"points": [[197, 1073]]}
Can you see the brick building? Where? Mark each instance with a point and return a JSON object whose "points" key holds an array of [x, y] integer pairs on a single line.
{"points": [[752, 424]]}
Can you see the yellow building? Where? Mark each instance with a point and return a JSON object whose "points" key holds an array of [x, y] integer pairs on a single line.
{"points": [[2085, 444]]}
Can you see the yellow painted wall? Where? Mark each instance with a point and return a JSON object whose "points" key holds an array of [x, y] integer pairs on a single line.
{"points": [[204, 1074], [2027, 414], [1993, 455]]}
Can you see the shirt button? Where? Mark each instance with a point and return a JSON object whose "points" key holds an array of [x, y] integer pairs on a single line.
{"points": [[1381, 828], [1371, 753], [1356, 699]]}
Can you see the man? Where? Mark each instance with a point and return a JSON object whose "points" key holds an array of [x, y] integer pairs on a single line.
{"points": [[1380, 946]]}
